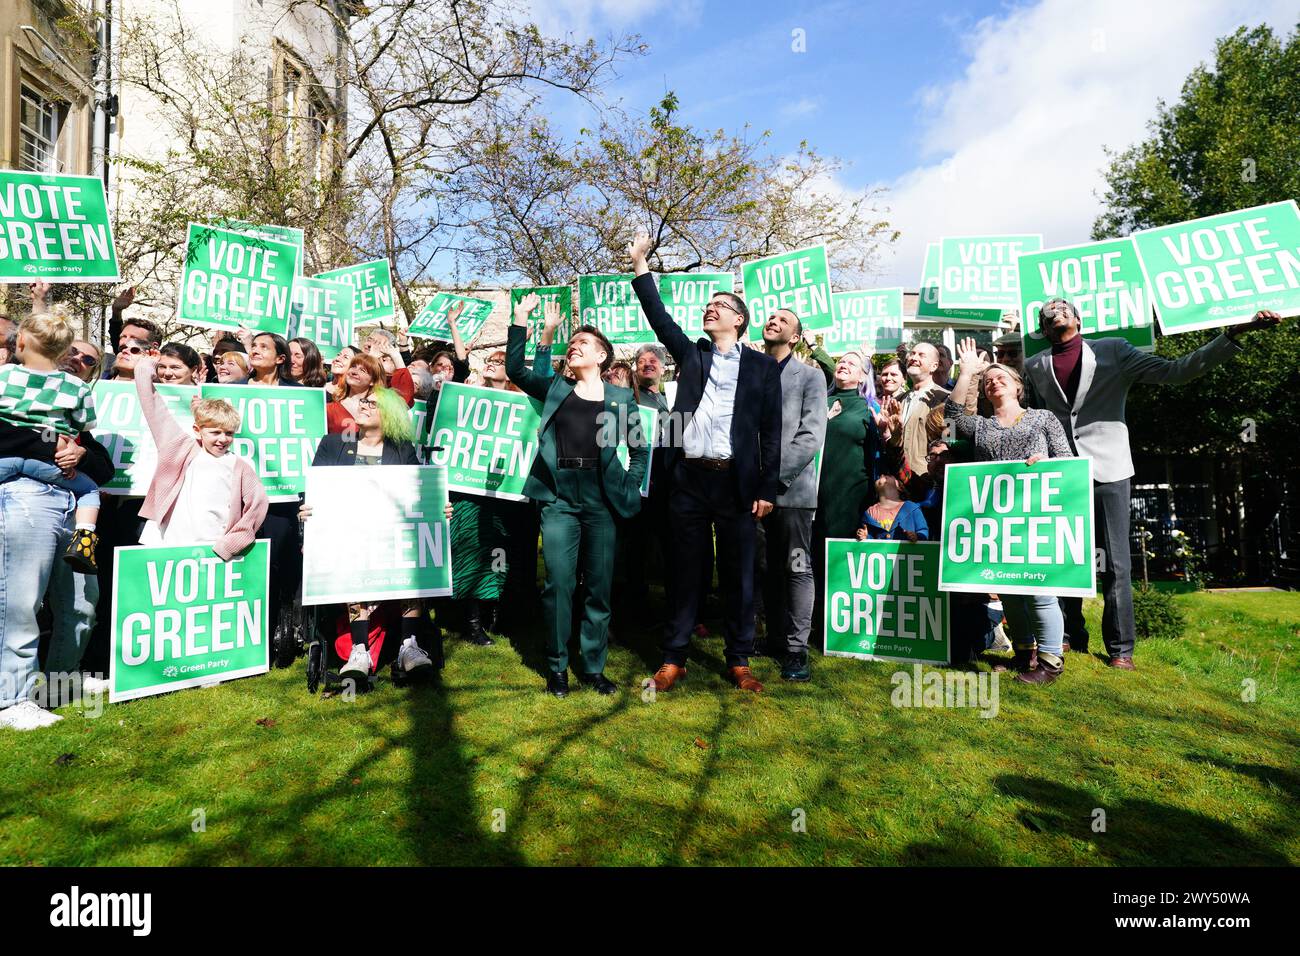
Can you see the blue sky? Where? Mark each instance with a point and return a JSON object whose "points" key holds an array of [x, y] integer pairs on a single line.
{"points": [[853, 92], [976, 117]]}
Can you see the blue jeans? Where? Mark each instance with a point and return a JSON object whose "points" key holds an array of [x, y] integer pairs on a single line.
{"points": [[83, 488], [35, 526], [1036, 618]]}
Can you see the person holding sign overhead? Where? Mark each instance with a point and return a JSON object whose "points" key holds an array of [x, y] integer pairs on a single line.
{"points": [[1014, 432], [726, 472], [1085, 385], [581, 485]]}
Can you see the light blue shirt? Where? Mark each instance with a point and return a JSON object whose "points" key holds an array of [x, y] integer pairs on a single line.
{"points": [[709, 433]]}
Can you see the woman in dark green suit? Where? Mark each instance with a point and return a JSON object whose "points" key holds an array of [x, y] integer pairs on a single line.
{"points": [[581, 485]]}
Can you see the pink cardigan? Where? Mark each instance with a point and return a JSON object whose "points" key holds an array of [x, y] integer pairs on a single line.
{"points": [[248, 501]]}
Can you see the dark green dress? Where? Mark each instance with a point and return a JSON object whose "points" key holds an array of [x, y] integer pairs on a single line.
{"points": [[478, 546], [849, 465]]}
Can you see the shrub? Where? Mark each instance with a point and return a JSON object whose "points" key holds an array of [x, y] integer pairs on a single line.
{"points": [[1156, 614]]}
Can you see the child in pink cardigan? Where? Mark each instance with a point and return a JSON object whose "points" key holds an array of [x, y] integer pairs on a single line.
{"points": [[200, 494]]}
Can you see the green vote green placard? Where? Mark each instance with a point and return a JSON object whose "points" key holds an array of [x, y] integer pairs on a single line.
{"points": [[883, 601]]}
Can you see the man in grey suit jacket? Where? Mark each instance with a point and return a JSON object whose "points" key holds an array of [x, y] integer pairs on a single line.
{"points": [[787, 584], [1085, 384]]}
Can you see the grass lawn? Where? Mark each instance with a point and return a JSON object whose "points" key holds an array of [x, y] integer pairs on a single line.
{"points": [[489, 770]]}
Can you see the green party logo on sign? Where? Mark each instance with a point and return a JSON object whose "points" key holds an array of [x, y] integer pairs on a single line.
{"points": [[279, 429], [182, 617], [120, 427], [1221, 270], [231, 278], [488, 438], [650, 429], [1012, 528], [322, 312], [1103, 280], [608, 303], [55, 228], [927, 301], [372, 283], [979, 272], [562, 294], [432, 322], [685, 295], [883, 601], [871, 321], [798, 281], [405, 551]]}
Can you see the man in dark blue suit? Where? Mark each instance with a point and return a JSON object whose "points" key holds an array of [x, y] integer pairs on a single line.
{"points": [[724, 455]]}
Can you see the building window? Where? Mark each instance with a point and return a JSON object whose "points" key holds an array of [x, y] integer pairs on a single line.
{"points": [[308, 119], [40, 124]]}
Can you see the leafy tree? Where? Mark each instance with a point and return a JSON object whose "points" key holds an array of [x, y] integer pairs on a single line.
{"points": [[1228, 143], [709, 200]]}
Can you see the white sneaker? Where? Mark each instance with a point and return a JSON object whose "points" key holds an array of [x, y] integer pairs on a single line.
{"points": [[27, 715], [358, 662], [93, 686], [412, 657]]}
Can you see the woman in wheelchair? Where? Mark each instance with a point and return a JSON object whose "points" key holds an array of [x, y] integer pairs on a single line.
{"points": [[382, 437]]}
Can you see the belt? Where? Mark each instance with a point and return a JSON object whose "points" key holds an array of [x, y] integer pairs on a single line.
{"points": [[577, 462], [709, 464]]}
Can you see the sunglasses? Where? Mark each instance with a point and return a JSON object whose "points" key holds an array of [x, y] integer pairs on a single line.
{"points": [[132, 349], [81, 358]]}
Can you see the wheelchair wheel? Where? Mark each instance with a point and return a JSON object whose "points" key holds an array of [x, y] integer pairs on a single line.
{"points": [[315, 665], [287, 635]]}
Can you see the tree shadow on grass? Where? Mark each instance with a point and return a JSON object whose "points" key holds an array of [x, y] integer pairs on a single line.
{"points": [[1138, 832]]}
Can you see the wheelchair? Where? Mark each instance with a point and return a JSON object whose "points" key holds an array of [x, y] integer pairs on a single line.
{"points": [[323, 660]]}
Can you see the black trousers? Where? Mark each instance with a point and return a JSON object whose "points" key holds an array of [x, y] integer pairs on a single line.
{"points": [[119, 526], [702, 499], [280, 527], [1110, 502]]}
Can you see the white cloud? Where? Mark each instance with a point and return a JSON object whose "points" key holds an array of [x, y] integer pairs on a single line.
{"points": [[1016, 144], [804, 106], [584, 18]]}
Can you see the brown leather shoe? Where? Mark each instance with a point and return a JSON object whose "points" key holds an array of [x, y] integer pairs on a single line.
{"points": [[1122, 663], [1042, 674], [744, 680], [666, 676]]}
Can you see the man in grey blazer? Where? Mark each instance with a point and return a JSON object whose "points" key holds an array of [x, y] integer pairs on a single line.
{"points": [[787, 585], [1085, 384]]}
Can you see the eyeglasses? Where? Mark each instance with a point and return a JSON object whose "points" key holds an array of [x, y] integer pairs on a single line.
{"points": [[719, 304], [367, 403], [490, 362]]}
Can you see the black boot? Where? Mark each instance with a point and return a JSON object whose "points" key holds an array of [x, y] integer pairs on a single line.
{"points": [[474, 632]]}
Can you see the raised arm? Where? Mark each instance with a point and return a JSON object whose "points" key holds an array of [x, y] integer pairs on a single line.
{"points": [[971, 365], [458, 343], [532, 383], [964, 423], [647, 292], [1154, 370], [163, 426]]}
